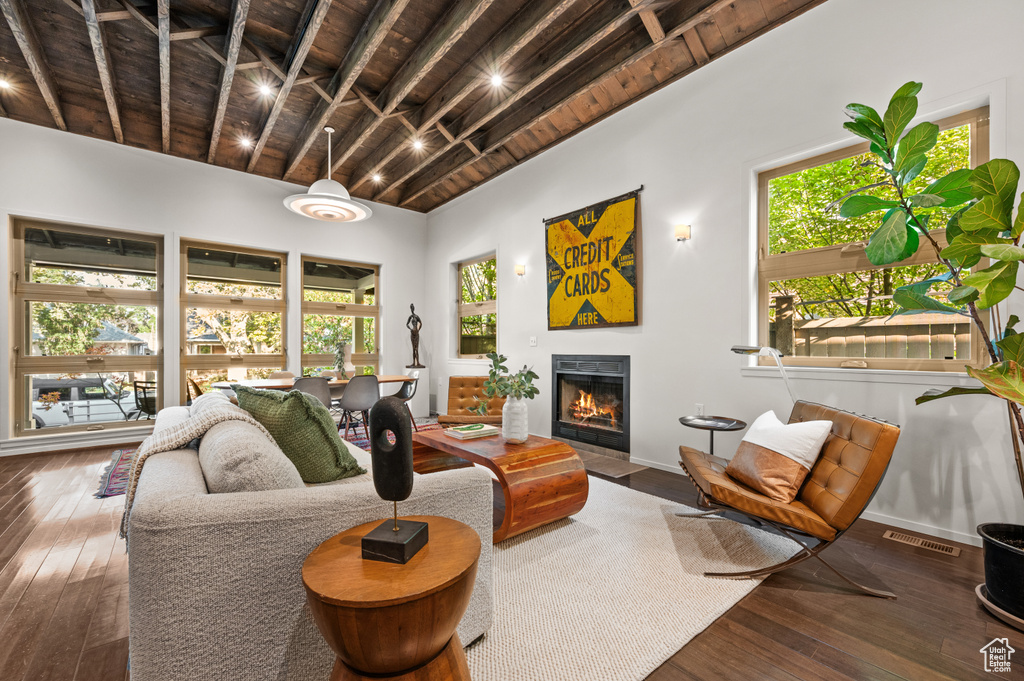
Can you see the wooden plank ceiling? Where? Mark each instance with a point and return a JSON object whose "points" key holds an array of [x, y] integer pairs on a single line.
{"points": [[407, 84]]}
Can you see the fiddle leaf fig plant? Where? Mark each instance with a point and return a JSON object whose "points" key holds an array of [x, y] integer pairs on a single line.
{"points": [[500, 383], [983, 226]]}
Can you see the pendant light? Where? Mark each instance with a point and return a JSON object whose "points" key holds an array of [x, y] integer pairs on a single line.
{"points": [[326, 199]]}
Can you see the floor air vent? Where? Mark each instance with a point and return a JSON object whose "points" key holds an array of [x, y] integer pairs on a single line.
{"points": [[938, 547]]}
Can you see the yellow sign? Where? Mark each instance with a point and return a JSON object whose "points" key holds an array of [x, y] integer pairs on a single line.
{"points": [[592, 265]]}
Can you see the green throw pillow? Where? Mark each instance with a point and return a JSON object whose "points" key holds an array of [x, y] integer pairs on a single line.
{"points": [[303, 429]]}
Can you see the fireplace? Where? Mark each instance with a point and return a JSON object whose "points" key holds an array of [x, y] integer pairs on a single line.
{"points": [[590, 400]]}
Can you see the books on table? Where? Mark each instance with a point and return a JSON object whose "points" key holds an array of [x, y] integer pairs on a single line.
{"points": [[471, 431]]}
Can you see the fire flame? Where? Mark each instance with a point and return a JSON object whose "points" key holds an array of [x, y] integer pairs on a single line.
{"points": [[586, 408]]}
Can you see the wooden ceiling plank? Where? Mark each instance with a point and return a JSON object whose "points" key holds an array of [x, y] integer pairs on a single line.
{"points": [[3, 111], [28, 42], [445, 34], [163, 8], [573, 84], [201, 32], [651, 22], [524, 27], [696, 47], [305, 37], [234, 45], [372, 33], [600, 25], [137, 14], [103, 65]]}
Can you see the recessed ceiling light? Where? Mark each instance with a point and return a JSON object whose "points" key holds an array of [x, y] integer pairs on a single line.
{"points": [[4, 85], [245, 142], [265, 90], [497, 80], [417, 144], [376, 177]]}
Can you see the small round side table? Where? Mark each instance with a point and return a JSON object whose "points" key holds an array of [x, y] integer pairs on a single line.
{"points": [[385, 620], [711, 424]]}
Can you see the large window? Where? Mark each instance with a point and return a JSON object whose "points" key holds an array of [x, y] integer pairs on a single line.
{"points": [[340, 304], [820, 301], [87, 316], [478, 307], [232, 313]]}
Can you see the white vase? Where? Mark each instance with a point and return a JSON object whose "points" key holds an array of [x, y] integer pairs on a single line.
{"points": [[514, 426]]}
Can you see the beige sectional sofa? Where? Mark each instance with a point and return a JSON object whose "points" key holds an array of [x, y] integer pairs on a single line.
{"points": [[215, 587]]}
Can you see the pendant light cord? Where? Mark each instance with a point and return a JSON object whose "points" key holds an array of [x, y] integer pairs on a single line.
{"points": [[329, 169]]}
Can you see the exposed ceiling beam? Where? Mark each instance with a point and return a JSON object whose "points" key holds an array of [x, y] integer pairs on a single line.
{"points": [[517, 33], [303, 43], [445, 34], [201, 32], [28, 42], [651, 23], [234, 45], [576, 42], [696, 46], [99, 51], [612, 60], [163, 20], [372, 33]]}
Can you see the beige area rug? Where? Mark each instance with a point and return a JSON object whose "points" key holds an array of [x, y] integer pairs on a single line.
{"points": [[614, 591]]}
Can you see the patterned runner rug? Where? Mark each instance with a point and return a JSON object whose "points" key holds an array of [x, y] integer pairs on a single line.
{"points": [[612, 592], [114, 479], [357, 436]]}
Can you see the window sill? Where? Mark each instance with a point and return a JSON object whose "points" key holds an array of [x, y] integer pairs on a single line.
{"points": [[927, 378], [469, 361]]}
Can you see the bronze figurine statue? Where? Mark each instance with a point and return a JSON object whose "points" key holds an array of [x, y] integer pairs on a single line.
{"points": [[414, 324]]}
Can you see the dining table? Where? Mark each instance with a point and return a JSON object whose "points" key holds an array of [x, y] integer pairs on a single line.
{"points": [[288, 383]]}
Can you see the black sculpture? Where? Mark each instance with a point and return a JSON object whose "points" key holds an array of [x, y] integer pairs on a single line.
{"points": [[393, 541], [414, 324]]}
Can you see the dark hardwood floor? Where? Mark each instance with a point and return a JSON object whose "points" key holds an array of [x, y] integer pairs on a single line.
{"points": [[64, 596]]}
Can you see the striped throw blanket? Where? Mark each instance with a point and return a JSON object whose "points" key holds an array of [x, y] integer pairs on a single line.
{"points": [[207, 410]]}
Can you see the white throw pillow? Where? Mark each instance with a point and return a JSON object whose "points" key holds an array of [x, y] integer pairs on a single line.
{"points": [[774, 458]]}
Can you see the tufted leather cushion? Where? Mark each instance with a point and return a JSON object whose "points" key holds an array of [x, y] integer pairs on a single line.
{"points": [[461, 390], [708, 473], [853, 461], [839, 486]]}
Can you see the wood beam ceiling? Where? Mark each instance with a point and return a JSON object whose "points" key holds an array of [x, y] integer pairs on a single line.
{"points": [[305, 37], [524, 27], [580, 80], [103, 65], [28, 43], [445, 34], [566, 50], [372, 33], [651, 22], [163, 14], [232, 48]]}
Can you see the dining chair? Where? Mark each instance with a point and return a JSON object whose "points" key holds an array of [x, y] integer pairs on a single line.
{"points": [[361, 393], [281, 374], [145, 399], [315, 386], [407, 392]]}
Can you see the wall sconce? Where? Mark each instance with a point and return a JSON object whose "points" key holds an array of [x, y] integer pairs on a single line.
{"points": [[520, 270], [682, 232]]}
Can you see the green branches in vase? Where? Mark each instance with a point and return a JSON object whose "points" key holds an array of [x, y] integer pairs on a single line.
{"points": [[500, 383]]}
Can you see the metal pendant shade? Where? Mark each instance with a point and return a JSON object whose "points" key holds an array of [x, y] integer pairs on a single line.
{"points": [[328, 200]]}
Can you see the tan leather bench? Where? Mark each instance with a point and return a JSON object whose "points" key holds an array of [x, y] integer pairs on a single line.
{"points": [[461, 391]]}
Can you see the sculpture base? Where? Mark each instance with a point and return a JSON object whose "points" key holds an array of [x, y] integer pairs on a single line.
{"points": [[415, 366], [383, 543]]}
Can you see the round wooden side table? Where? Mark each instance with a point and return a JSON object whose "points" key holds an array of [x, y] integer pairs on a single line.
{"points": [[385, 620]]}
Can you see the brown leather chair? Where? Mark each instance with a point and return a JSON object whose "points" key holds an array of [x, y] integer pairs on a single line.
{"points": [[461, 391], [837, 490]]}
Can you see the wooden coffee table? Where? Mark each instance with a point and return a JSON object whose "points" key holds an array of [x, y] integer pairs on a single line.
{"points": [[386, 620], [542, 480]]}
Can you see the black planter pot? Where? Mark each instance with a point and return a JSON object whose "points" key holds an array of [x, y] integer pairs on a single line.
{"points": [[1004, 566]]}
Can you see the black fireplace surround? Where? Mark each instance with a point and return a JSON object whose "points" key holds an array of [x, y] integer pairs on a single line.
{"points": [[590, 399]]}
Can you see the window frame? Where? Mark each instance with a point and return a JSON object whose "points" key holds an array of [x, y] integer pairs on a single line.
{"points": [[356, 310], [25, 364], [475, 308], [850, 257], [213, 361]]}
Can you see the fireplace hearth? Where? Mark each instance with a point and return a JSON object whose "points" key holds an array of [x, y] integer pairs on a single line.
{"points": [[590, 400]]}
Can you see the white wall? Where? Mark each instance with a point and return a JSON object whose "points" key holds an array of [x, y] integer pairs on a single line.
{"points": [[696, 146], [49, 174]]}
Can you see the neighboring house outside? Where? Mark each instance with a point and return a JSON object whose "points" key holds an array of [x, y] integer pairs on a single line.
{"points": [[201, 339], [113, 340]]}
